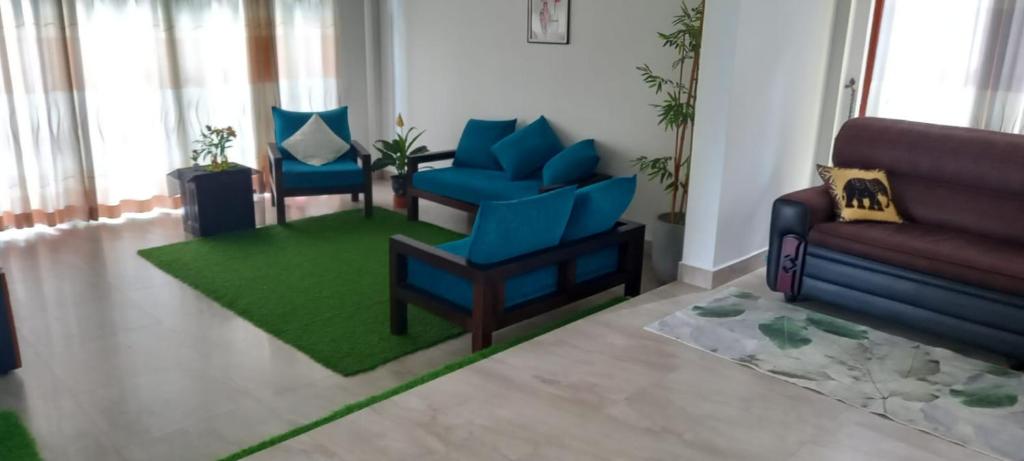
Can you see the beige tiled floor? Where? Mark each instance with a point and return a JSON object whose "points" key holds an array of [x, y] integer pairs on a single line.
{"points": [[123, 362], [605, 389]]}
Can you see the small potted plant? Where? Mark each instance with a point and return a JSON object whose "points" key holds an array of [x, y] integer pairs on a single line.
{"points": [[212, 146], [675, 114], [395, 153], [216, 195]]}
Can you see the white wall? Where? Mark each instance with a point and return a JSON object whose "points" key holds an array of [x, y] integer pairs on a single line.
{"points": [[464, 59], [759, 108]]}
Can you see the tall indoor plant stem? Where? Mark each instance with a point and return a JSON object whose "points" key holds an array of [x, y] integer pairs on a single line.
{"points": [[676, 113]]}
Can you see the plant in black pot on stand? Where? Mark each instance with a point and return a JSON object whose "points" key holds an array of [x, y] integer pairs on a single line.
{"points": [[675, 114], [216, 197], [212, 146], [395, 153]]}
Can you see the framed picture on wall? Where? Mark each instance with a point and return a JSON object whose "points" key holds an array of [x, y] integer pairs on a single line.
{"points": [[547, 21]]}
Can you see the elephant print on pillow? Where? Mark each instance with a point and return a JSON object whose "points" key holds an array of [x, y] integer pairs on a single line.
{"points": [[858, 190]]}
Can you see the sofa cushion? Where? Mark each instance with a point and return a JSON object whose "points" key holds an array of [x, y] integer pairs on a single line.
{"points": [[524, 152], [474, 149], [571, 165], [459, 291], [344, 171], [504, 230], [315, 143], [474, 185], [958, 178], [519, 289], [860, 195], [598, 263], [954, 255], [287, 122], [598, 206]]}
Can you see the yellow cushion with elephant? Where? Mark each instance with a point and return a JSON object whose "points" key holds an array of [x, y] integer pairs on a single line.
{"points": [[860, 195]]}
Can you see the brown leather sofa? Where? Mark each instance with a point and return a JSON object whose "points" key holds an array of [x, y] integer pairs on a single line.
{"points": [[955, 267]]}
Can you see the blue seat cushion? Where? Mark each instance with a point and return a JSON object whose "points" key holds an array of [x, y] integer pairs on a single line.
{"points": [[459, 291], [344, 171], [523, 153], [598, 263], [474, 185], [504, 230], [598, 206], [571, 165], [474, 150], [287, 122], [518, 290]]}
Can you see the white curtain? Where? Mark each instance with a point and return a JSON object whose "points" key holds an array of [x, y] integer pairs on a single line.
{"points": [[952, 62], [101, 98]]}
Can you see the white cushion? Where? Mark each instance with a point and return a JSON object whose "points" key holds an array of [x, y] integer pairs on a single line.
{"points": [[315, 143]]}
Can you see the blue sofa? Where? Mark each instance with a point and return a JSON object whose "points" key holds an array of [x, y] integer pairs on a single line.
{"points": [[523, 257], [494, 162]]}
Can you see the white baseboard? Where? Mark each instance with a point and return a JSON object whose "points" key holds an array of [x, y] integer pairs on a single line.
{"points": [[709, 279]]}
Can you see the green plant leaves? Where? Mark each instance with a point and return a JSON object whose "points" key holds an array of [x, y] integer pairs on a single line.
{"points": [[837, 327], [395, 152], [723, 311], [991, 396], [785, 332]]}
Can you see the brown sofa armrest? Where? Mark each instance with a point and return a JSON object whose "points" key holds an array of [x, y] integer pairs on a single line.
{"points": [[793, 216], [817, 200]]}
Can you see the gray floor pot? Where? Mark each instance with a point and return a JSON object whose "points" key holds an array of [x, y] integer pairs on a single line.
{"points": [[666, 248]]}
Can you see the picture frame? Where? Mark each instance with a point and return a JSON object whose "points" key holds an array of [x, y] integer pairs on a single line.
{"points": [[547, 22]]}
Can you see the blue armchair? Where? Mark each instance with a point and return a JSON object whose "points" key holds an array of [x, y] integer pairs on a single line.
{"points": [[289, 177]]}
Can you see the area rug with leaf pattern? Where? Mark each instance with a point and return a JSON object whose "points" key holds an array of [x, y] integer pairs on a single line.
{"points": [[936, 390]]}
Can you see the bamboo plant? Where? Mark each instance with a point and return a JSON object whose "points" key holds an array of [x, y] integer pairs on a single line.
{"points": [[676, 111]]}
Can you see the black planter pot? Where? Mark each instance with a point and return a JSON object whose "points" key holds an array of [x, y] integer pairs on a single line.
{"points": [[215, 201], [398, 185]]}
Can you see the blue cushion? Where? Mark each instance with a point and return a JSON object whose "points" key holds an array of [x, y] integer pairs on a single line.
{"points": [[524, 152], [459, 290], [519, 289], [598, 206], [474, 185], [344, 171], [598, 263], [573, 164], [474, 150], [504, 230], [287, 122]]}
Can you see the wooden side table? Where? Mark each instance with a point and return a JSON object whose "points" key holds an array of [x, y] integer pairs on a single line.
{"points": [[215, 202], [10, 356]]}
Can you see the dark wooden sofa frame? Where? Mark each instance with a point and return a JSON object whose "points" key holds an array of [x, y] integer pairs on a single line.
{"points": [[488, 311], [278, 192], [414, 194]]}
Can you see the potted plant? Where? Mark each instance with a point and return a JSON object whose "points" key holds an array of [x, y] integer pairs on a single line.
{"points": [[217, 196], [675, 114], [213, 144], [395, 153]]}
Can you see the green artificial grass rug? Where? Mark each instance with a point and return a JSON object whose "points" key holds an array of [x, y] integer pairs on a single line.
{"points": [[16, 443], [416, 382], [319, 284]]}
